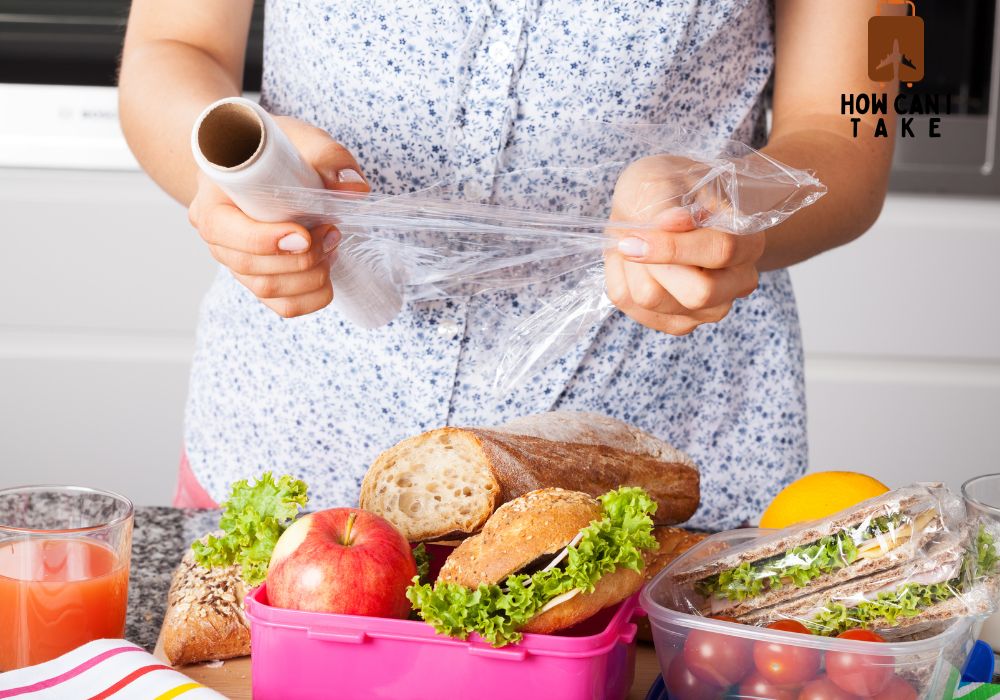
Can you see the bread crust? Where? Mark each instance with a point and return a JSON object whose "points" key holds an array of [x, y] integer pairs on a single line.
{"points": [[610, 589], [538, 523], [521, 464], [205, 619]]}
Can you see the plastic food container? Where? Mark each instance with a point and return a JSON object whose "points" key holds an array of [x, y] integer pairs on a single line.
{"points": [[309, 655], [928, 665]]}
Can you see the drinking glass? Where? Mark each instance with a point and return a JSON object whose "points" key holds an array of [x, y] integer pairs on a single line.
{"points": [[982, 498], [64, 567]]}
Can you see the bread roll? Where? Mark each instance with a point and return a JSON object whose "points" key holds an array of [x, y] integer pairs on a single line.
{"points": [[205, 619]]}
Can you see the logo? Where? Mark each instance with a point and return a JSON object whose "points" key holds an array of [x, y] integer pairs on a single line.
{"points": [[896, 45], [895, 55]]}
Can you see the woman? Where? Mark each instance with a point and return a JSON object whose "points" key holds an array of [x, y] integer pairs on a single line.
{"points": [[395, 94]]}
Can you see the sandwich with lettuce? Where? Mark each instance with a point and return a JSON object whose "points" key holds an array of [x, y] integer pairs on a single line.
{"points": [[542, 562], [876, 535], [954, 577]]}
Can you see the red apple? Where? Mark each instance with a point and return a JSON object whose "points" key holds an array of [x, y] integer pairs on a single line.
{"points": [[342, 560]]}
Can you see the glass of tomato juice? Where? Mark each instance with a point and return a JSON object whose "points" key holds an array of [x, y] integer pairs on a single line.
{"points": [[64, 565]]}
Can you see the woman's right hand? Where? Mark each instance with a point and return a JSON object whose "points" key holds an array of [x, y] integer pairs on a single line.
{"points": [[285, 265]]}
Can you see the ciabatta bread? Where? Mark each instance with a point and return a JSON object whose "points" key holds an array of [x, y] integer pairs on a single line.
{"points": [[205, 619], [447, 482], [673, 542]]}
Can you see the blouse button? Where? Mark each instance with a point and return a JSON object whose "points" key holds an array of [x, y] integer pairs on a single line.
{"points": [[503, 53], [447, 328]]}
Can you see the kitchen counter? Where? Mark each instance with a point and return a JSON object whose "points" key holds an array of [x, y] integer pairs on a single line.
{"points": [[159, 539]]}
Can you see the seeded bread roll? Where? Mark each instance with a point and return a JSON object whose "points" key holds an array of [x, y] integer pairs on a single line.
{"points": [[528, 531], [609, 590], [537, 524], [205, 619], [445, 484]]}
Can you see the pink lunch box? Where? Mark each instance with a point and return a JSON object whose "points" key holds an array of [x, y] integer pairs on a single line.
{"points": [[305, 655]]}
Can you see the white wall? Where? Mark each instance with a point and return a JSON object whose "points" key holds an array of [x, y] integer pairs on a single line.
{"points": [[102, 276], [100, 284], [902, 336]]}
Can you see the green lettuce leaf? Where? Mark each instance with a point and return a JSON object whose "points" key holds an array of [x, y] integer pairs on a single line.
{"points": [[797, 566], [911, 598], [986, 554], [253, 519], [497, 612], [907, 601]]}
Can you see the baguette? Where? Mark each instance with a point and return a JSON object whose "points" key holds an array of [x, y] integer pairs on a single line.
{"points": [[205, 619], [445, 484]]}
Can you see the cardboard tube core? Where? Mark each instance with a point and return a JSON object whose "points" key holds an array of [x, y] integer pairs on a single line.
{"points": [[231, 136]]}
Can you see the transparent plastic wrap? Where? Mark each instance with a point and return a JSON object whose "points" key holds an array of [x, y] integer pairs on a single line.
{"points": [[900, 564], [546, 228]]}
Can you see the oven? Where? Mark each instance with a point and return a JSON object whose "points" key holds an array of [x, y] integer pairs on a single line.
{"points": [[962, 63], [58, 71]]}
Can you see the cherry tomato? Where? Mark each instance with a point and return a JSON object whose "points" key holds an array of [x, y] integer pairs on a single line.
{"points": [[756, 686], [822, 688], [786, 664], [898, 689], [860, 635], [718, 658], [682, 685], [789, 626], [861, 674], [724, 618]]}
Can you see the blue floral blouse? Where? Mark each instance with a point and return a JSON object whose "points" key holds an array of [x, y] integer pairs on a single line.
{"points": [[424, 91]]}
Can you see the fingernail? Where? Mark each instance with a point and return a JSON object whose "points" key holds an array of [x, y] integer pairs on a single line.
{"points": [[350, 175], [633, 247], [330, 240], [293, 243]]}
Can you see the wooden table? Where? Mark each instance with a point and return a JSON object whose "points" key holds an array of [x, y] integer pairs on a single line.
{"points": [[232, 679]]}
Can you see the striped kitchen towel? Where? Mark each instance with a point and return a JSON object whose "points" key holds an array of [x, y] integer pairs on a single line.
{"points": [[103, 669]]}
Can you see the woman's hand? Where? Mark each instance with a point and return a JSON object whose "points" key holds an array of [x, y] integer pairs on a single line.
{"points": [[677, 276], [286, 266]]}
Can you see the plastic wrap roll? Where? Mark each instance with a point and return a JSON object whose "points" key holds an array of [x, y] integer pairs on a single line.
{"points": [[240, 147]]}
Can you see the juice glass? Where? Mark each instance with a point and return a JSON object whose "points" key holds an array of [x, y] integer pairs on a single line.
{"points": [[64, 563]]}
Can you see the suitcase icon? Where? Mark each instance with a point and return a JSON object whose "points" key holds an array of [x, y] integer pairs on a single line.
{"points": [[896, 45]]}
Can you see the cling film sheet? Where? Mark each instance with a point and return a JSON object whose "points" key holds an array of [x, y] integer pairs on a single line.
{"points": [[545, 229], [902, 564]]}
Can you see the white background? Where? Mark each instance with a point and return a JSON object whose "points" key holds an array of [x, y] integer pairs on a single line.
{"points": [[102, 277]]}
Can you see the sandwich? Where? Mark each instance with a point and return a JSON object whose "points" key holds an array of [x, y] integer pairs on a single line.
{"points": [[954, 577], [444, 484], [543, 562], [874, 536]]}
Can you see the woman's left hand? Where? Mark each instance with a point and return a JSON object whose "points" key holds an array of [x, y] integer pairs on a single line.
{"points": [[676, 276]]}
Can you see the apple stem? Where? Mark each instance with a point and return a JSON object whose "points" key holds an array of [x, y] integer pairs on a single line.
{"points": [[350, 526]]}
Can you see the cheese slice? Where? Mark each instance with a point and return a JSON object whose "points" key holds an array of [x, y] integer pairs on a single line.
{"points": [[884, 543], [560, 599], [565, 552]]}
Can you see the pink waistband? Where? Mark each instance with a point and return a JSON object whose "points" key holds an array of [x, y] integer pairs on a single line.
{"points": [[189, 493]]}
